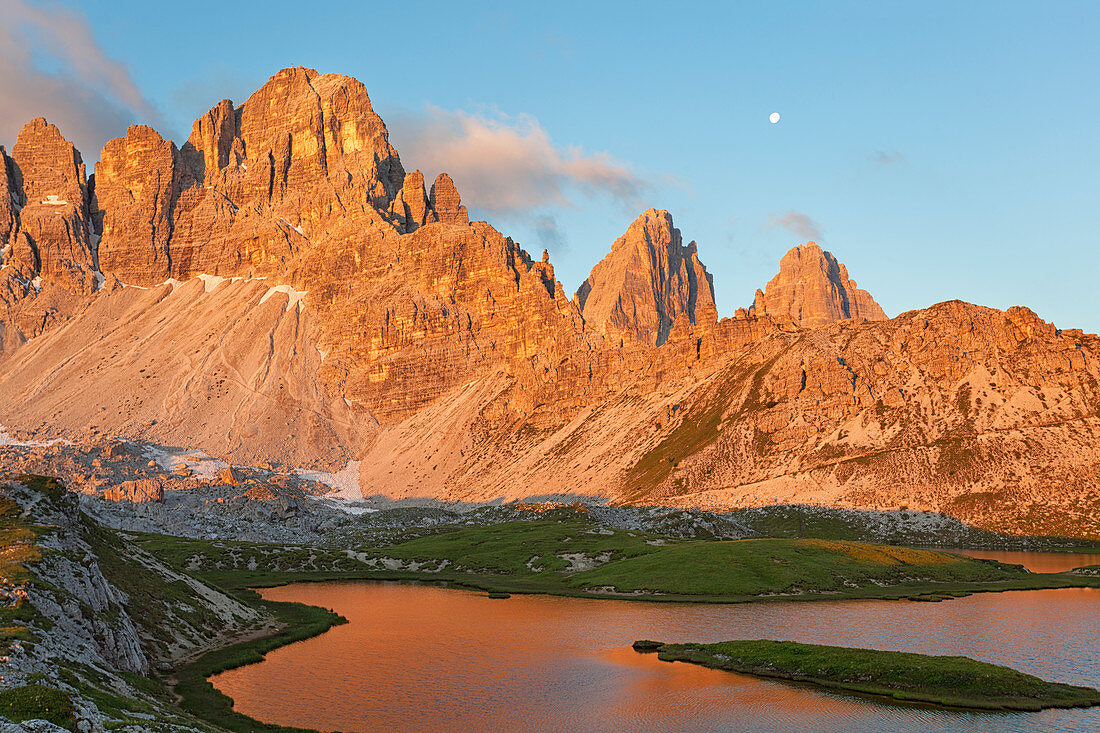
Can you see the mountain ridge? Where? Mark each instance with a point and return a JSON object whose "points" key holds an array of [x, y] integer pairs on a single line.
{"points": [[284, 272]]}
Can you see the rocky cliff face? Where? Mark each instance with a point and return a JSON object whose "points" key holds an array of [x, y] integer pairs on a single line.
{"points": [[304, 157], [648, 281], [138, 180], [53, 220], [102, 610], [10, 202], [322, 306], [813, 289]]}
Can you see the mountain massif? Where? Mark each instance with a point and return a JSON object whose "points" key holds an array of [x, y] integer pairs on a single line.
{"points": [[279, 290]]}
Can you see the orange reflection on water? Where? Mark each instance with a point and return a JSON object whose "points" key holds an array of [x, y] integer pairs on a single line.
{"points": [[1038, 562], [427, 658]]}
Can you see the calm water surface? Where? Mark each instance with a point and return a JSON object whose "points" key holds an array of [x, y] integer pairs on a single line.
{"points": [[418, 658]]}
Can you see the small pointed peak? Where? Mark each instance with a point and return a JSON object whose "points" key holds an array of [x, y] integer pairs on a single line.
{"points": [[48, 163], [653, 216], [143, 132], [39, 129], [545, 256], [446, 202], [212, 138], [411, 204]]}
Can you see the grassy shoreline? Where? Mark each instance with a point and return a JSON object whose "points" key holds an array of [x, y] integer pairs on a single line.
{"points": [[198, 695], [944, 681]]}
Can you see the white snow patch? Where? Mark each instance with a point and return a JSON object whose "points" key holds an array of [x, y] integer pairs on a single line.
{"points": [[297, 229], [173, 282], [201, 465], [100, 280], [345, 481], [322, 353], [210, 282], [36, 283], [6, 439], [293, 296], [348, 507], [54, 200]]}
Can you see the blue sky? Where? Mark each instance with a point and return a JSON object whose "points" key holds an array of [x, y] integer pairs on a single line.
{"points": [[940, 150]]}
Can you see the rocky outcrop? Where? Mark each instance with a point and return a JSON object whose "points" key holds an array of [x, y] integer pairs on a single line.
{"points": [[229, 476], [49, 174], [103, 611], [813, 289], [140, 491], [211, 145], [411, 207], [648, 281]]}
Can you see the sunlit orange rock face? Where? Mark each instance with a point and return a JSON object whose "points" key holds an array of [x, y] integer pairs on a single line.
{"points": [[48, 172], [346, 310], [813, 289], [649, 279]]}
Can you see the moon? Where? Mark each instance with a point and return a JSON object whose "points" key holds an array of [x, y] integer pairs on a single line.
{"points": [[773, 117]]}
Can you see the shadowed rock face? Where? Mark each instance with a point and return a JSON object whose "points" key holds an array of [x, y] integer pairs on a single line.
{"points": [[330, 308], [10, 199], [813, 289], [647, 282]]}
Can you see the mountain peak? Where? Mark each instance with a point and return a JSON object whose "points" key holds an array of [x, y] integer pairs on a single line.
{"points": [[647, 281], [813, 289]]}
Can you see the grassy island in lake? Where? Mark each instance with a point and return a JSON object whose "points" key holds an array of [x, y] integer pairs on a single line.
{"points": [[948, 681]]}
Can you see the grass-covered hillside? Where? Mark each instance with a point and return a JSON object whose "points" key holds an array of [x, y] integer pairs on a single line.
{"points": [[568, 553], [793, 567], [92, 628]]}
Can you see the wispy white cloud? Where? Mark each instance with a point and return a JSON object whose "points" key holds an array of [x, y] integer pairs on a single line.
{"points": [[796, 223], [508, 165], [52, 66]]}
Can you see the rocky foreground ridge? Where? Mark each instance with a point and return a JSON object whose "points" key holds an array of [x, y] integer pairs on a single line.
{"points": [[280, 291]]}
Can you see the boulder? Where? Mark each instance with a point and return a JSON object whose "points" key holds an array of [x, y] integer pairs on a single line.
{"points": [[138, 491]]}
